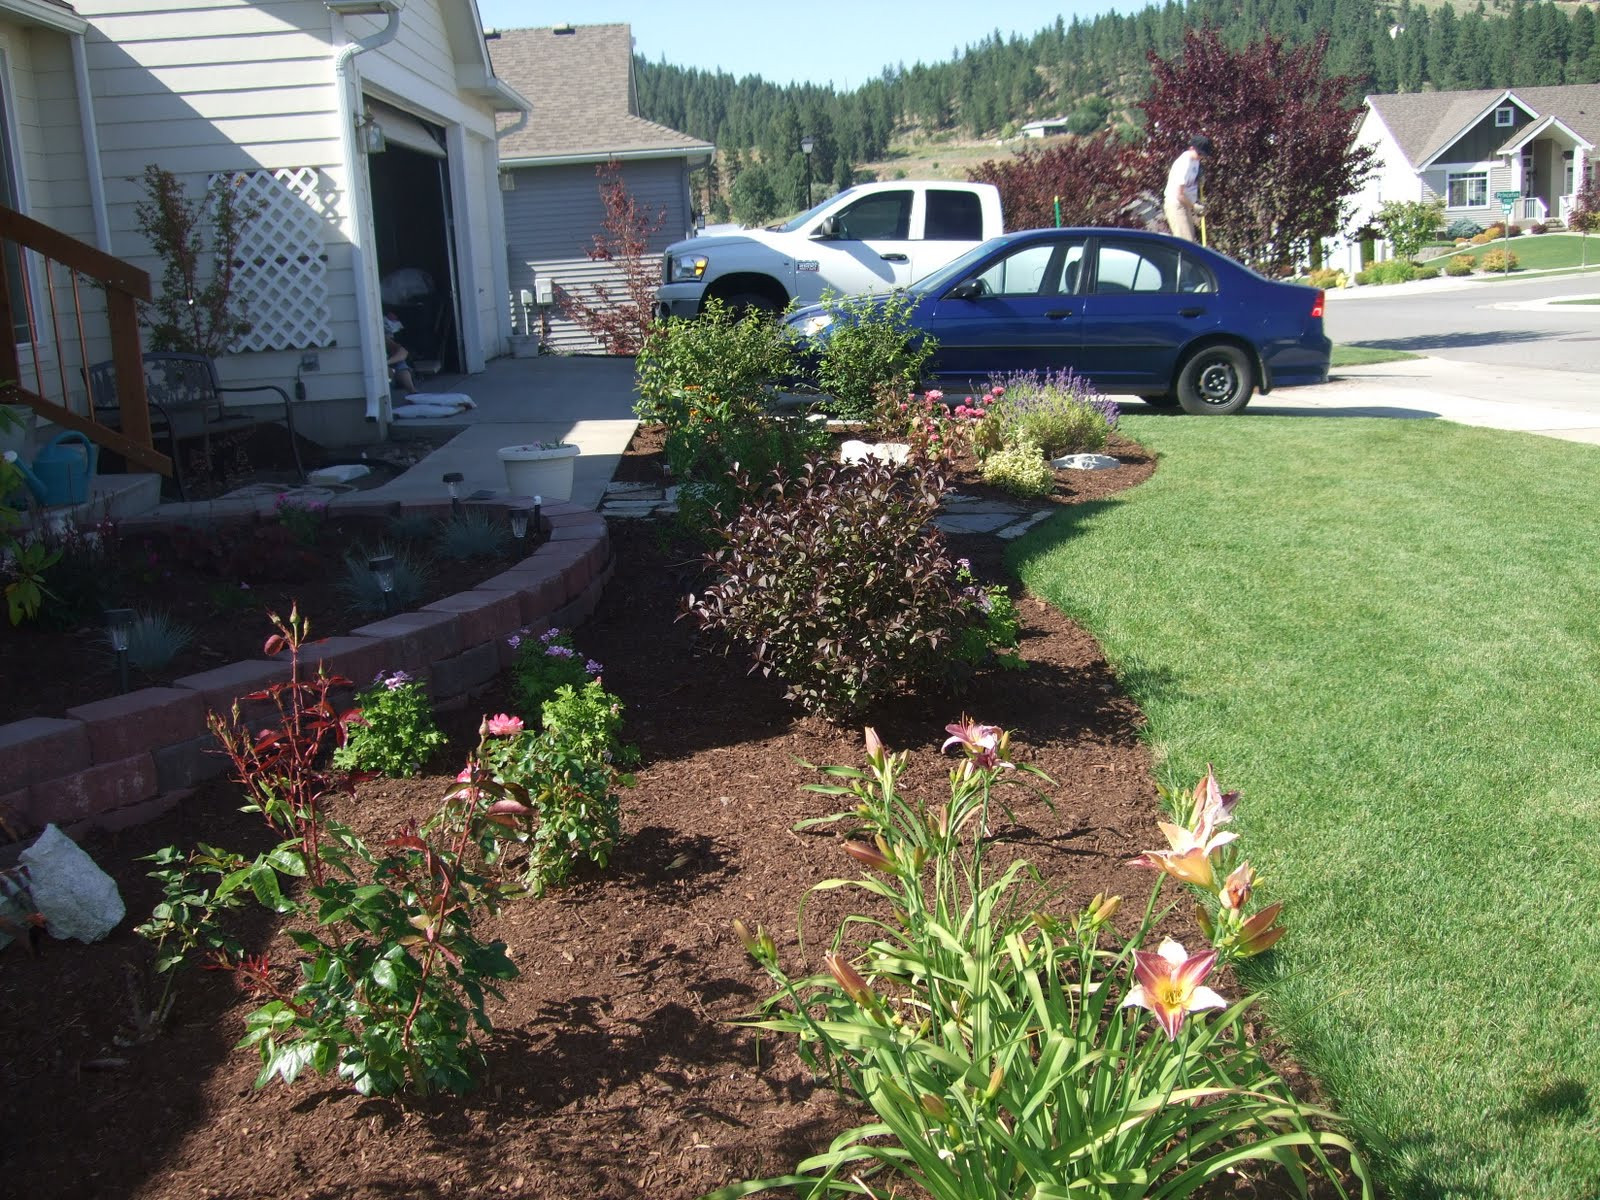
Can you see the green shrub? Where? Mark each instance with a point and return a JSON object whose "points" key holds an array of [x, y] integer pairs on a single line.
{"points": [[713, 365], [471, 533], [1463, 227], [1396, 270], [154, 640], [1492, 234], [1409, 225], [1426, 272], [837, 582], [543, 665], [705, 457], [1459, 264], [870, 344], [396, 733], [1019, 468], [1324, 277], [1498, 260]]}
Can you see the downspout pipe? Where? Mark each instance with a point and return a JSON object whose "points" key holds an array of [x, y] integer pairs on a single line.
{"points": [[374, 362], [91, 143]]}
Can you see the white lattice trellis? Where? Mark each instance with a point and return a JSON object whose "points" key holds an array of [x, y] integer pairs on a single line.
{"points": [[282, 271]]}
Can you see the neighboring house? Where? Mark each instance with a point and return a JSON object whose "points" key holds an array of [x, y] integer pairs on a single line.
{"points": [[364, 128], [585, 115], [1465, 147], [1045, 127]]}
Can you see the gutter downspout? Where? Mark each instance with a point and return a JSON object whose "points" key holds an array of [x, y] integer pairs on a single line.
{"points": [[374, 364], [91, 143]]}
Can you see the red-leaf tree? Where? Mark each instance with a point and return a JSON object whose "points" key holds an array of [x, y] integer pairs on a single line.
{"points": [[619, 322], [1094, 178], [1284, 137]]}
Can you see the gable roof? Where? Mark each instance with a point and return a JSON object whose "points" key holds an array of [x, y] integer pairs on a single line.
{"points": [[580, 81], [1424, 123]]}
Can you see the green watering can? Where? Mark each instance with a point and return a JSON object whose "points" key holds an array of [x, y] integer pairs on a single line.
{"points": [[61, 471]]}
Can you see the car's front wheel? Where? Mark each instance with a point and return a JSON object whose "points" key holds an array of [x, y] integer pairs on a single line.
{"points": [[1216, 381]]}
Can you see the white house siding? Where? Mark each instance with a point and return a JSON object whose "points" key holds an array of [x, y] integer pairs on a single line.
{"points": [[1436, 182], [1392, 178], [549, 203], [53, 187], [201, 86]]}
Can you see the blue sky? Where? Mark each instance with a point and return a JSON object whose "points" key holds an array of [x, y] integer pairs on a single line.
{"points": [[799, 40]]}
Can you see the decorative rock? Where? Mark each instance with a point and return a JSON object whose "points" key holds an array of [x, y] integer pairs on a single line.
{"points": [[1085, 462], [338, 473], [856, 450], [76, 898]]}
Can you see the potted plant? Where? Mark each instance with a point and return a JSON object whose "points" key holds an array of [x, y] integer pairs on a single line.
{"points": [[540, 469]]}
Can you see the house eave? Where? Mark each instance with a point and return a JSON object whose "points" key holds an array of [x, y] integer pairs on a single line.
{"points": [[49, 16], [695, 155], [1539, 127]]}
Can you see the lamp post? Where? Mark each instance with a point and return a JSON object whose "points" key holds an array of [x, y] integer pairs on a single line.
{"points": [[807, 145], [119, 631], [452, 483], [382, 568]]}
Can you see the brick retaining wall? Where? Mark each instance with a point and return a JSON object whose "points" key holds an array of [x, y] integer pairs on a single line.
{"points": [[127, 759]]}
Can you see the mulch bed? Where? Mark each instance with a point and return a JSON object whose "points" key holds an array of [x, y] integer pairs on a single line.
{"points": [[615, 1071]]}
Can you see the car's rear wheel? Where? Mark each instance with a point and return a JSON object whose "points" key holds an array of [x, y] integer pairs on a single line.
{"points": [[1216, 381]]}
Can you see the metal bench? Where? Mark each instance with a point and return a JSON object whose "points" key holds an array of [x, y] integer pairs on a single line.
{"points": [[187, 402]]}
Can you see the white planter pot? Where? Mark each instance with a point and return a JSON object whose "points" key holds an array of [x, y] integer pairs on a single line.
{"points": [[531, 471]]}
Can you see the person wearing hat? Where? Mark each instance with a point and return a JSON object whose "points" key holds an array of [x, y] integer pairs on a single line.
{"points": [[1181, 203]]}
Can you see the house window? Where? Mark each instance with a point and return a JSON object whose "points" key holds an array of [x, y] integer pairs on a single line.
{"points": [[1505, 117], [1469, 190]]}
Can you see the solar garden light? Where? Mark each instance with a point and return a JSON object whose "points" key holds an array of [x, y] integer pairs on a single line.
{"points": [[538, 525], [119, 630], [519, 526], [452, 483], [382, 568]]}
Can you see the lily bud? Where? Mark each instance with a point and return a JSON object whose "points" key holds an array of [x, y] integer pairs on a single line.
{"points": [[745, 936], [871, 856], [1236, 891], [874, 747], [1261, 931], [935, 1107], [1203, 919], [996, 1078], [1102, 909], [850, 980]]}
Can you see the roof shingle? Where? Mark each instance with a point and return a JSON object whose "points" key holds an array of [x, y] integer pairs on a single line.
{"points": [[580, 82]]}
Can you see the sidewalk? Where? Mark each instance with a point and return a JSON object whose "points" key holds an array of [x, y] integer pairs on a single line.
{"points": [[1559, 404]]}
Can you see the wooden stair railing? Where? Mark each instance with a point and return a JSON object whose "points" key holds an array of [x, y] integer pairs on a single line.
{"points": [[50, 392]]}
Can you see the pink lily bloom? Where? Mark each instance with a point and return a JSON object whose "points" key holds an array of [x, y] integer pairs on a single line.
{"points": [[1169, 984], [504, 725], [1187, 866], [1236, 890], [983, 744]]}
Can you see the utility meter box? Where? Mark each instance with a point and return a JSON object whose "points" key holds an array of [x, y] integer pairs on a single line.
{"points": [[544, 290]]}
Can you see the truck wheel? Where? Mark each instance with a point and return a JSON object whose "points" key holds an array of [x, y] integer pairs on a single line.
{"points": [[743, 303], [1217, 381]]}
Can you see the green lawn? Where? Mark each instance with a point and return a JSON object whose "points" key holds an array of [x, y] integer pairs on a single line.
{"points": [[1361, 356], [1589, 301], [1387, 633], [1542, 252]]}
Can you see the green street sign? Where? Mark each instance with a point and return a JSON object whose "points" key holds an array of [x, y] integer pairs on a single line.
{"points": [[1508, 198]]}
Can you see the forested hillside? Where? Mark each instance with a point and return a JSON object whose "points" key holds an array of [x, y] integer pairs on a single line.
{"points": [[1094, 71]]}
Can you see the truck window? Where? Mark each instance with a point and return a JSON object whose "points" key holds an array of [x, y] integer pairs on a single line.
{"points": [[953, 217], [884, 215]]}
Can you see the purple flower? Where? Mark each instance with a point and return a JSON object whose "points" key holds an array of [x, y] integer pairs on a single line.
{"points": [[559, 652], [593, 668], [398, 680], [514, 640]]}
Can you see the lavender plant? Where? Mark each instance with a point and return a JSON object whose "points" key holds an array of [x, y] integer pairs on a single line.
{"points": [[544, 663]]}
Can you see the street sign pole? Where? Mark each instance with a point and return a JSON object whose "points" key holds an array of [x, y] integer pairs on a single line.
{"points": [[1508, 204]]}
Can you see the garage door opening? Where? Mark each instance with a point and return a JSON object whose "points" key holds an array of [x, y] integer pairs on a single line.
{"points": [[413, 238]]}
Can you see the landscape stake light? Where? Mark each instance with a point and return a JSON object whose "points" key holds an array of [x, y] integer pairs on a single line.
{"points": [[538, 524], [452, 481], [382, 568], [519, 526], [119, 629]]}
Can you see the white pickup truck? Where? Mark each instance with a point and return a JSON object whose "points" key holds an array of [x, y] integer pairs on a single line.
{"points": [[869, 238]]}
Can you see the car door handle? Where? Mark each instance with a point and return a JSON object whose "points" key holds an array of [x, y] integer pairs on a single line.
{"points": [[1056, 314], [894, 258], [1191, 312]]}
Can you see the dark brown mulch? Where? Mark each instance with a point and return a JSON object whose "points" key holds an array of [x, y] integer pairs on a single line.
{"points": [[614, 1071], [219, 581]]}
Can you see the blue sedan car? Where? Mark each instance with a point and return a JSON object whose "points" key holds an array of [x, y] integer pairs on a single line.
{"points": [[1137, 313]]}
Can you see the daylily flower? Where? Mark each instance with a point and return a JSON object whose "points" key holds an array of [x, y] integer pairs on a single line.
{"points": [[1169, 985], [1213, 806], [1189, 858], [985, 745], [504, 725]]}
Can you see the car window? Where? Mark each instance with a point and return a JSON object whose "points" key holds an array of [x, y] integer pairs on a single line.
{"points": [[1137, 267], [953, 217], [884, 215], [1039, 269], [1194, 275]]}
